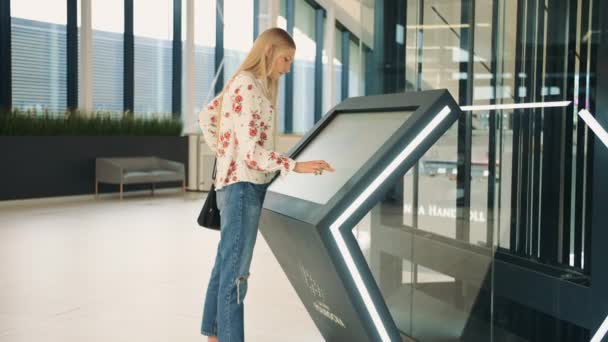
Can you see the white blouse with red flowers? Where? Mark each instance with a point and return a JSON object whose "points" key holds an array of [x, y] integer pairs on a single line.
{"points": [[245, 152]]}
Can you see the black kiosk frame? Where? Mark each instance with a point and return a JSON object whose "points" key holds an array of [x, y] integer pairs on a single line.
{"points": [[313, 241]]}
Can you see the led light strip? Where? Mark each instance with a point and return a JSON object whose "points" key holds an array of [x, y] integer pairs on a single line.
{"points": [[335, 227], [603, 135], [601, 332], [516, 106], [594, 125]]}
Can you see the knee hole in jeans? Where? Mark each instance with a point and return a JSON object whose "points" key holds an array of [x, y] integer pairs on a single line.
{"points": [[241, 288]]}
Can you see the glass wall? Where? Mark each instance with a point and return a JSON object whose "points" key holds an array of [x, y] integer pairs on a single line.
{"points": [[494, 218], [39, 54], [40, 32], [304, 67], [153, 31]]}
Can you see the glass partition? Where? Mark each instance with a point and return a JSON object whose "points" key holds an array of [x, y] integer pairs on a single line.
{"points": [[502, 187], [436, 288]]}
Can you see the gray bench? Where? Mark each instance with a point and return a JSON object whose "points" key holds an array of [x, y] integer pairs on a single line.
{"points": [[137, 170]]}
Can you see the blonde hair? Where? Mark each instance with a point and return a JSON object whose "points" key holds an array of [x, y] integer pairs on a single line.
{"points": [[273, 42]]}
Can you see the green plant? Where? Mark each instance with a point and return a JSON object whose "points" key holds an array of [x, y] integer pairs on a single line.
{"points": [[47, 123]]}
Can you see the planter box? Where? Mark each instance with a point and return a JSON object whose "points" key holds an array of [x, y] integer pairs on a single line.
{"points": [[49, 166]]}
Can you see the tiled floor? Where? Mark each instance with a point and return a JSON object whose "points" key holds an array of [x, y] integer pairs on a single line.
{"points": [[136, 270]]}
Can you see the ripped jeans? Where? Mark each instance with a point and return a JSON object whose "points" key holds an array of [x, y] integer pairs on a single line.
{"points": [[240, 206]]}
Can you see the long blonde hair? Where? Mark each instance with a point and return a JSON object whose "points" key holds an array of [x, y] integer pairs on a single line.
{"points": [[276, 40]]}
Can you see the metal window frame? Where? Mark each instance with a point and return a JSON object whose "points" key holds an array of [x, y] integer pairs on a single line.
{"points": [[599, 214], [5, 57], [176, 86], [345, 47], [129, 59], [219, 45], [72, 55], [581, 162], [256, 21], [290, 18], [465, 122], [319, 40]]}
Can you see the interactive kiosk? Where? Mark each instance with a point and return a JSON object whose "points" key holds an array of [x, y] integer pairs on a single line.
{"points": [[307, 220]]}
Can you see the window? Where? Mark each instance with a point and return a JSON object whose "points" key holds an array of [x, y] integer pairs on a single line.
{"points": [[304, 67], [338, 66], [202, 89], [108, 39], [39, 59], [153, 31], [355, 72], [238, 34], [204, 50]]}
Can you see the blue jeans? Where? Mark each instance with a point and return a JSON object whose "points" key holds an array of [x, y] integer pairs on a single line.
{"points": [[240, 206]]}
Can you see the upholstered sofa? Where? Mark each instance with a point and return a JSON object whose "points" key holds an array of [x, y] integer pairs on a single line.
{"points": [[137, 170]]}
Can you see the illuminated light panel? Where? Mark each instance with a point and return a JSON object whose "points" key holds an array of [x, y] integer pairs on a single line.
{"points": [[443, 26], [594, 125], [335, 227], [516, 106], [601, 332]]}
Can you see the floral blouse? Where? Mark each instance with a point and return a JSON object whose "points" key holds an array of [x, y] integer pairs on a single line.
{"points": [[245, 152]]}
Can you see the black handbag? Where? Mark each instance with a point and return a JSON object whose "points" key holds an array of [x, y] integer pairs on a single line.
{"points": [[209, 216]]}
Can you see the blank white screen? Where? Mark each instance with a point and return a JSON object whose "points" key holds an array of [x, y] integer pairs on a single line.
{"points": [[346, 143]]}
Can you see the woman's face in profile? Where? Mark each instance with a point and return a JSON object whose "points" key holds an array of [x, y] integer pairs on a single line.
{"points": [[282, 63]]}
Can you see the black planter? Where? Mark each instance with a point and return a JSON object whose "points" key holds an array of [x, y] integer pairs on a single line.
{"points": [[34, 167]]}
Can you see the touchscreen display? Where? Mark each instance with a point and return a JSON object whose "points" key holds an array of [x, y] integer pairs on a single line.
{"points": [[346, 143]]}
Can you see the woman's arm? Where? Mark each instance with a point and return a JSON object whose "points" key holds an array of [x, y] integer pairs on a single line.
{"points": [[208, 121]]}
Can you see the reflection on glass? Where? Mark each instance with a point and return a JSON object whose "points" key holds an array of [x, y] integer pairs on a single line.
{"points": [[363, 138], [413, 37], [481, 229], [441, 53], [479, 185], [432, 286], [506, 80], [39, 69], [448, 301], [504, 176], [437, 170]]}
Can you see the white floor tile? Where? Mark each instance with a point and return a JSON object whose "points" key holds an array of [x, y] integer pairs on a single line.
{"points": [[131, 270]]}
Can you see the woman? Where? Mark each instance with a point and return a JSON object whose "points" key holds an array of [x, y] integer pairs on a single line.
{"points": [[246, 163]]}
